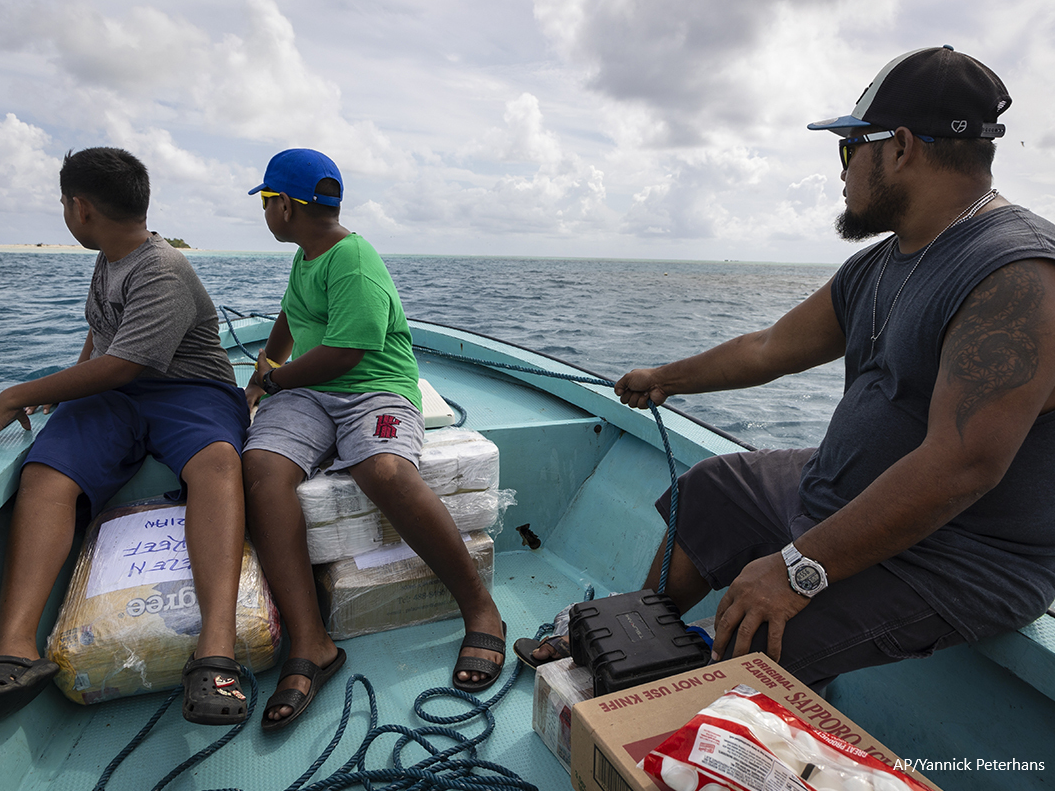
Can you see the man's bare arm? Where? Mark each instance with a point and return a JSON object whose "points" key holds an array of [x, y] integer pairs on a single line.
{"points": [[806, 336]]}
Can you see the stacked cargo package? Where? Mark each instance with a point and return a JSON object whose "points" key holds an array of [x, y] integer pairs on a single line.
{"points": [[368, 580]]}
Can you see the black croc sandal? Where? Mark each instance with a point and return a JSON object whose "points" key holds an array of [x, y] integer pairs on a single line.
{"points": [[294, 698], [212, 691], [475, 664]]}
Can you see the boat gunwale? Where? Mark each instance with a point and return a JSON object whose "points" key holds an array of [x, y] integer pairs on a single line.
{"points": [[593, 374]]}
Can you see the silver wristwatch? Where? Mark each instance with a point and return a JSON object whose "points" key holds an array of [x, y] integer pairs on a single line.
{"points": [[806, 577]]}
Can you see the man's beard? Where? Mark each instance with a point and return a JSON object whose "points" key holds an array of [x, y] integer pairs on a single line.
{"points": [[887, 205]]}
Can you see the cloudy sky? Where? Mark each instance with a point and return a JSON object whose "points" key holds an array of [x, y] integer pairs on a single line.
{"points": [[601, 128]]}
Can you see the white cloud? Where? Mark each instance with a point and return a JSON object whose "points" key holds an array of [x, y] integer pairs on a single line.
{"points": [[664, 128], [143, 66], [371, 215], [523, 139], [696, 66], [28, 177]]}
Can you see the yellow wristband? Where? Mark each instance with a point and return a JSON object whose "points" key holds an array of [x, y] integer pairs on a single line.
{"points": [[272, 363]]}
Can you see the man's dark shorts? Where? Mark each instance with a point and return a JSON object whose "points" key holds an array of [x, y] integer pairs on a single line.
{"points": [[739, 507], [100, 441]]}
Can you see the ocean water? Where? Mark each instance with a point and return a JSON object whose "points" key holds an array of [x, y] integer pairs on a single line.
{"points": [[604, 315]]}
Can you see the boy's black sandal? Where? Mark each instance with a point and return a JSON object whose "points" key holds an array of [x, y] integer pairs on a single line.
{"points": [[212, 691], [294, 698]]}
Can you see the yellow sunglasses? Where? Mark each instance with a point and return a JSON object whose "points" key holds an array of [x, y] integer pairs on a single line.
{"points": [[264, 195]]}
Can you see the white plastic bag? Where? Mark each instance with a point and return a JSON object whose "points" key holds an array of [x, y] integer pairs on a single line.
{"points": [[745, 740]]}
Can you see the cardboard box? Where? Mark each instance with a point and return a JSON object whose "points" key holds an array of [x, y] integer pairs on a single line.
{"points": [[612, 733], [364, 595], [558, 687]]}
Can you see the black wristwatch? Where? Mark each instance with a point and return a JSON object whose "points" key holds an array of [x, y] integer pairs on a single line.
{"points": [[806, 577], [269, 386]]}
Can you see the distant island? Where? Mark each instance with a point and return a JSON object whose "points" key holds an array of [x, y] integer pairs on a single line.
{"points": [[178, 243]]}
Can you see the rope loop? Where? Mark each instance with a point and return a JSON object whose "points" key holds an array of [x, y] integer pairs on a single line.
{"points": [[198, 757]]}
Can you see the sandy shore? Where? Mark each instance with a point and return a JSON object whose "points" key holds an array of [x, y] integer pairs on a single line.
{"points": [[43, 248]]}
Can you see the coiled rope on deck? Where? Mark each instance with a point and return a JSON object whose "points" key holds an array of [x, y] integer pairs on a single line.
{"points": [[439, 771]]}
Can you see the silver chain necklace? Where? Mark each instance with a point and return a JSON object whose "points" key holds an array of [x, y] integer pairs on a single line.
{"points": [[963, 216]]}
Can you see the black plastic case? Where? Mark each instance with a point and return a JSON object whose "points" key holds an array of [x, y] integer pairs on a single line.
{"points": [[631, 639]]}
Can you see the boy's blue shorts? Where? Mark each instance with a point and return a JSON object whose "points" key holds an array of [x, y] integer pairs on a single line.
{"points": [[100, 441]]}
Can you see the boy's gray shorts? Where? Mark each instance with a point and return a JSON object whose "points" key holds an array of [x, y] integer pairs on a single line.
{"points": [[308, 427]]}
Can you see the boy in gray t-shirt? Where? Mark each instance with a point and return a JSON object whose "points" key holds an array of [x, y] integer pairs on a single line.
{"points": [[152, 378]]}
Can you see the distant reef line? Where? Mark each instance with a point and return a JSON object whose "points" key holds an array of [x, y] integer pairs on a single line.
{"points": [[63, 248]]}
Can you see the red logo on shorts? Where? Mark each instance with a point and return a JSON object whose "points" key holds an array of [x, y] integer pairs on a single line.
{"points": [[386, 427]]}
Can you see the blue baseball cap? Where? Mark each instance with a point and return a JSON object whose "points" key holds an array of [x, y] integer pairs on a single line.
{"points": [[297, 171]]}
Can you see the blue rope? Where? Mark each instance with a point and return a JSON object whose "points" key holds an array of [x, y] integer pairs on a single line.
{"points": [[198, 757], [462, 414], [234, 336], [672, 521], [440, 769]]}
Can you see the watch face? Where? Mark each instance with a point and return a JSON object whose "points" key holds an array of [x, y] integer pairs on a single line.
{"points": [[269, 386], [807, 578]]}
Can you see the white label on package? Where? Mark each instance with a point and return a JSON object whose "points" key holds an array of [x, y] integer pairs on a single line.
{"points": [[391, 554], [139, 549], [732, 756]]}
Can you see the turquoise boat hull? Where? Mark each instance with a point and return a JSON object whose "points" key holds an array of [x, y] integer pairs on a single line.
{"points": [[586, 470]]}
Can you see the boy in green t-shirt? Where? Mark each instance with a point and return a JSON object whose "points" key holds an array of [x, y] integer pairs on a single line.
{"points": [[351, 387]]}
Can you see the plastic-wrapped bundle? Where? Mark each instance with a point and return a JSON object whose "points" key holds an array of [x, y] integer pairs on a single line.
{"points": [[745, 740], [460, 466], [327, 498], [347, 537], [459, 460], [452, 460], [558, 687], [353, 536], [391, 587], [130, 619]]}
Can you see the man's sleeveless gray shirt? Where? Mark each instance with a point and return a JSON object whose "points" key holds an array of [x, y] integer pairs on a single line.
{"points": [[991, 568]]}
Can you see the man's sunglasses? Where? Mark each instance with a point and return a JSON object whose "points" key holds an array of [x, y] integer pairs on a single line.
{"points": [[848, 145], [264, 195]]}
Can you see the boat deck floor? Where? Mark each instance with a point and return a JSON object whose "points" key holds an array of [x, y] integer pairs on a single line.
{"points": [[400, 664]]}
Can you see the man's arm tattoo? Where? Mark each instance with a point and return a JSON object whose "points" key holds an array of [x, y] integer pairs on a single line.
{"points": [[993, 347]]}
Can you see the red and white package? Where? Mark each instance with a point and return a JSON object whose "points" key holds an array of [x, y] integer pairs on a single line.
{"points": [[745, 741]]}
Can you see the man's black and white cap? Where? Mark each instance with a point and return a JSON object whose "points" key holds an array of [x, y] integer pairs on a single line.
{"points": [[936, 92]]}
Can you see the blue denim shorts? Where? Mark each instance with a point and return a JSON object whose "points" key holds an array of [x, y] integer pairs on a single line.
{"points": [[309, 427], [100, 441], [739, 507]]}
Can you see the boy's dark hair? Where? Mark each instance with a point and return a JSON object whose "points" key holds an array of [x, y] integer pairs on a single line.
{"points": [[113, 180], [331, 188], [969, 157]]}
